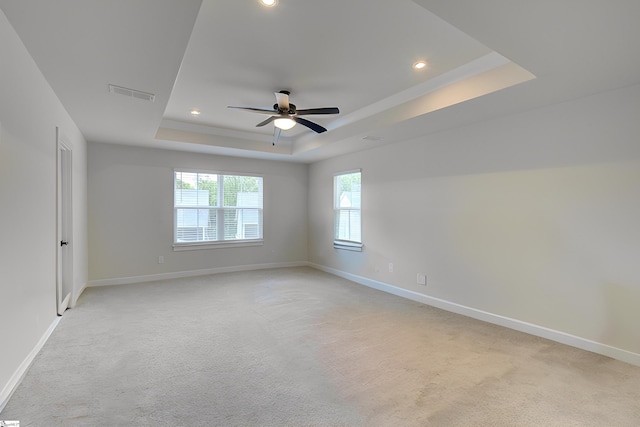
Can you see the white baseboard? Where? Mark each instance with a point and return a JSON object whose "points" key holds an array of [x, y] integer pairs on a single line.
{"points": [[19, 374], [518, 325], [192, 273]]}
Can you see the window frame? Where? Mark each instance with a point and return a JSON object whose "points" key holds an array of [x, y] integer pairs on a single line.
{"points": [[349, 245], [220, 209]]}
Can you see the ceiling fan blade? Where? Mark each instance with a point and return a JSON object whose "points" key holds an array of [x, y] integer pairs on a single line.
{"points": [[255, 110], [276, 134], [313, 126], [282, 98], [266, 122], [326, 110]]}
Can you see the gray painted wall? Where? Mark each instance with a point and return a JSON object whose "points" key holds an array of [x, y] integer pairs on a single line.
{"points": [[131, 212], [29, 115], [534, 216]]}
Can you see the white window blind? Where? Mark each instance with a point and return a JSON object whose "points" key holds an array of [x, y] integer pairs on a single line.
{"points": [[347, 195], [215, 207]]}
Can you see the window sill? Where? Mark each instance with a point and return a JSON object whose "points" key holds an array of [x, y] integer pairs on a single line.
{"points": [[348, 246], [177, 247]]}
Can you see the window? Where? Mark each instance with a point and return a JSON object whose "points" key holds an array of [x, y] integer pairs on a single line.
{"points": [[215, 208], [347, 228]]}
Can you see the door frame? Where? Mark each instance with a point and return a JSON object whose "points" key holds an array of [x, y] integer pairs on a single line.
{"points": [[64, 223]]}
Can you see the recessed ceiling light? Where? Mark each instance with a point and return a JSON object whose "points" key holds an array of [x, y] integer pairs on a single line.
{"points": [[419, 65], [269, 3], [195, 113]]}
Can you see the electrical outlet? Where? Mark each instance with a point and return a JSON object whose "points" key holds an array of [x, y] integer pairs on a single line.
{"points": [[421, 279], [160, 259], [390, 267]]}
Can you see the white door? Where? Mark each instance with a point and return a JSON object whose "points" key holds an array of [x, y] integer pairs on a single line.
{"points": [[64, 282]]}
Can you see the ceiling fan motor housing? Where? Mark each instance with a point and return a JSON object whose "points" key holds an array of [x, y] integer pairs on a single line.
{"points": [[291, 111]]}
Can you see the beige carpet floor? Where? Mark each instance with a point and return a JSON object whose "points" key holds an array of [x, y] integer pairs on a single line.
{"points": [[298, 347]]}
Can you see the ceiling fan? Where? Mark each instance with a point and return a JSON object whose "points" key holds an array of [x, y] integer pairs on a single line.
{"points": [[285, 115]]}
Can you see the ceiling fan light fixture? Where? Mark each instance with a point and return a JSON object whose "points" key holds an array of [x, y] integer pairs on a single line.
{"points": [[284, 123]]}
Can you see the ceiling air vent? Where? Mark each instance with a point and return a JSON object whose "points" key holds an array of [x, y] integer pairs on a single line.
{"points": [[131, 93]]}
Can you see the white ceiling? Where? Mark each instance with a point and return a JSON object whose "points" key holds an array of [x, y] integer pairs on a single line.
{"points": [[486, 59]]}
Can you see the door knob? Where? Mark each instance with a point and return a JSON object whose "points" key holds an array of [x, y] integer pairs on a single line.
{"points": [[63, 243]]}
